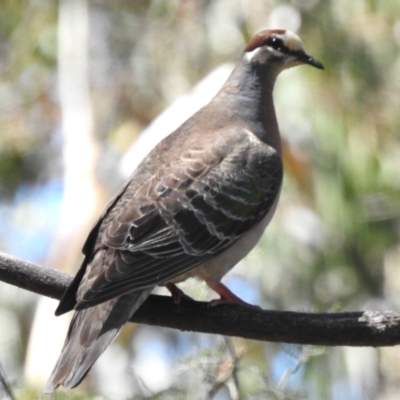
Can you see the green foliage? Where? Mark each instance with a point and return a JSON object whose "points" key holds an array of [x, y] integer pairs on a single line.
{"points": [[31, 394], [334, 242]]}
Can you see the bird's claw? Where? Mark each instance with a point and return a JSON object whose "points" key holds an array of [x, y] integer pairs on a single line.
{"points": [[177, 294], [235, 301]]}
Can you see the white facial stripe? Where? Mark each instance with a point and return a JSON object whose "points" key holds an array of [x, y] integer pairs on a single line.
{"points": [[290, 40], [249, 55]]}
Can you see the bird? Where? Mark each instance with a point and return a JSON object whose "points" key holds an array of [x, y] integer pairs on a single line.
{"points": [[193, 208]]}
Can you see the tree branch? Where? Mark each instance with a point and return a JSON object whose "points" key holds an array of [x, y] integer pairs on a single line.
{"points": [[363, 328]]}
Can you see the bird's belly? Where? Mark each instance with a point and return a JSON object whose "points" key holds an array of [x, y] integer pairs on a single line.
{"points": [[214, 269]]}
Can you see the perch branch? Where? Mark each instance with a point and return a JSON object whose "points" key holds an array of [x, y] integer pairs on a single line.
{"points": [[362, 328]]}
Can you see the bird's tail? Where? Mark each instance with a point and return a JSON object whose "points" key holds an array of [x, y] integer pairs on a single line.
{"points": [[90, 332]]}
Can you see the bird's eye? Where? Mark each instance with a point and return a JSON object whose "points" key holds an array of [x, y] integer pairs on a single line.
{"points": [[276, 44]]}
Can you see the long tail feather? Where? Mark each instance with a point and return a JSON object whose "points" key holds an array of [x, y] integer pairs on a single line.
{"points": [[90, 332]]}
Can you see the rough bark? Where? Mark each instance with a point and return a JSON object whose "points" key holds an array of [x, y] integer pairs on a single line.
{"points": [[361, 328]]}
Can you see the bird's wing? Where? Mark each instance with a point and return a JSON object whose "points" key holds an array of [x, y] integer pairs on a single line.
{"points": [[187, 212]]}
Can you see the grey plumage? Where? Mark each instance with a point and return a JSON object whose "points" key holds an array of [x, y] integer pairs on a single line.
{"points": [[194, 207], [90, 332]]}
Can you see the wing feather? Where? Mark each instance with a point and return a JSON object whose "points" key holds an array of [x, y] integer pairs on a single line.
{"points": [[186, 213]]}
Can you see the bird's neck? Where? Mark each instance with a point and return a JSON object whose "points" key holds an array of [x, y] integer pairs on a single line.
{"points": [[248, 96]]}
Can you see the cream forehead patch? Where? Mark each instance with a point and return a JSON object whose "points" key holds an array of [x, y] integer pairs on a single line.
{"points": [[292, 41]]}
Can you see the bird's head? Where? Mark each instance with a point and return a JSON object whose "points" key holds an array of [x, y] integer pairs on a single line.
{"points": [[277, 49]]}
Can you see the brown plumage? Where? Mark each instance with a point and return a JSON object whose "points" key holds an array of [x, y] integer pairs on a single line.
{"points": [[195, 206]]}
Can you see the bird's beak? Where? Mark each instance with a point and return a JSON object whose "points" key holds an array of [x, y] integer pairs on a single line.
{"points": [[305, 58], [315, 63]]}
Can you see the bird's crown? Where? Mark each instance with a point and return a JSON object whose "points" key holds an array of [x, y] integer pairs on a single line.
{"points": [[278, 47]]}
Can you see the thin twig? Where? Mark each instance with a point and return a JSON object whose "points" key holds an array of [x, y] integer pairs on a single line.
{"points": [[5, 385]]}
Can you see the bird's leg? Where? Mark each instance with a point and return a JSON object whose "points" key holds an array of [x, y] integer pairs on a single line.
{"points": [[227, 297], [177, 294]]}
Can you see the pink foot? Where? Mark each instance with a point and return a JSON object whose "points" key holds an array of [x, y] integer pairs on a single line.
{"points": [[227, 297], [177, 294]]}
